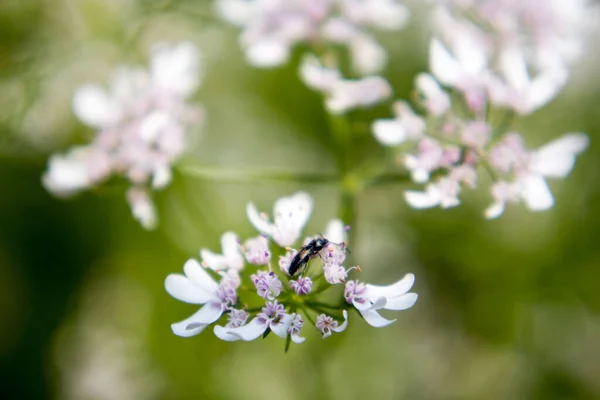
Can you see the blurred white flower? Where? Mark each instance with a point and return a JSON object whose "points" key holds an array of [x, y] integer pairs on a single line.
{"points": [[527, 171], [272, 28], [141, 121], [405, 126], [342, 95]]}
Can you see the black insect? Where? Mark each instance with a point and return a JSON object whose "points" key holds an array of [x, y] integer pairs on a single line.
{"points": [[307, 253]]}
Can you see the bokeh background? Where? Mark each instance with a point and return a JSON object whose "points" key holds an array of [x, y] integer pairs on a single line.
{"points": [[508, 309]]}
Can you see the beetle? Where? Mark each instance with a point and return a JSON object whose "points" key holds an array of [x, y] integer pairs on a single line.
{"points": [[309, 251]]}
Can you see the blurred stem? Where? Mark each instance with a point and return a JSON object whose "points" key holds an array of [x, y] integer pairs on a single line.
{"points": [[256, 175]]}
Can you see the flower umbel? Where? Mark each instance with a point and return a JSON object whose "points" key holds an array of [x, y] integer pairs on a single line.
{"points": [[274, 301], [141, 120]]}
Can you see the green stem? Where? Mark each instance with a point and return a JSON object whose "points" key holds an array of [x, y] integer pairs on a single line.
{"points": [[256, 175]]}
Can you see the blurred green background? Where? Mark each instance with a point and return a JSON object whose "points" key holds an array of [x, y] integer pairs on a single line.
{"points": [[508, 309]]}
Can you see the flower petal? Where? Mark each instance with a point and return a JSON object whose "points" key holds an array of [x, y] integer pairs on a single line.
{"points": [[536, 193], [335, 231], [298, 339], [258, 221], [223, 334], [291, 214], [93, 106], [214, 261], [403, 302], [374, 319], [231, 250], [250, 331], [281, 328], [443, 65], [199, 276], [343, 326], [420, 200], [372, 304], [183, 289], [193, 325], [394, 290], [556, 159], [389, 132], [495, 210]]}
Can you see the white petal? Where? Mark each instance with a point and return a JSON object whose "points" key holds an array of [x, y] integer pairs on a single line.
{"points": [[281, 328], [389, 132], [298, 339], [556, 159], [199, 276], [267, 53], [193, 325], [66, 175], [180, 329], [514, 68], [374, 319], [223, 334], [291, 214], [231, 250], [93, 106], [495, 210], [393, 290], [212, 260], [536, 193], [372, 304], [175, 68], [250, 331], [260, 223], [420, 200], [443, 65], [335, 231], [544, 88], [343, 326], [403, 302], [183, 289], [368, 57]]}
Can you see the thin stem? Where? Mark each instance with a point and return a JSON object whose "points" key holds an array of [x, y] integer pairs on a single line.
{"points": [[256, 175]]}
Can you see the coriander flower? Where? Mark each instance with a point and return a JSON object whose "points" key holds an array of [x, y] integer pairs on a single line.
{"points": [[141, 122], [272, 28], [231, 258], [368, 299], [327, 325], [273, 301], [198, 287], [342, 95]]}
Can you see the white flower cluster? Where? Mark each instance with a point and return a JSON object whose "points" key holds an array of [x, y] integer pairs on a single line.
{"points": [[477, 83], [512, 53], [141, 121], [277, 307], [272, 28]]}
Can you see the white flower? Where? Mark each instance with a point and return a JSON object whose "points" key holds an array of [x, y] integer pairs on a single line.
{"points": [[257, 251], [272, 317], [405, 126], [444, 193], [341, 94], [231, 258], [327, 325], [334, 273], [272, 28], [291, 214], [367, 299], [198, 287], [141, 120], [553, 160]]}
